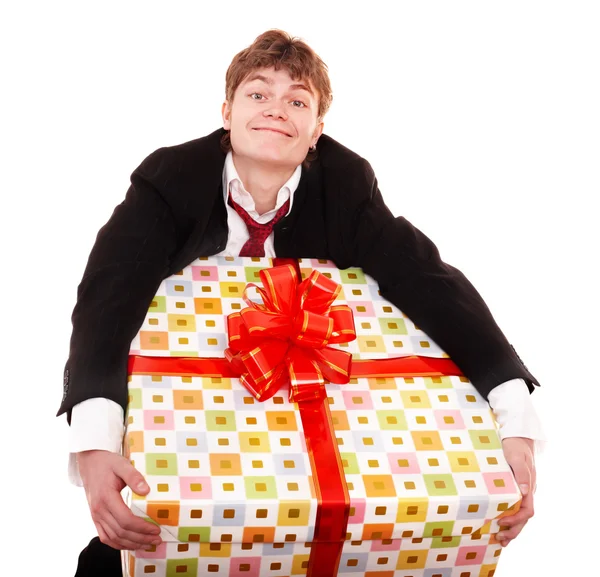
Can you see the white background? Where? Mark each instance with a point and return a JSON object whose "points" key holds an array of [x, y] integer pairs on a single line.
{"points": [[481, 120]]}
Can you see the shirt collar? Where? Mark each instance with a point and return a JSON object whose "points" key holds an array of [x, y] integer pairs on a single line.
{"points": [[244, 198]]}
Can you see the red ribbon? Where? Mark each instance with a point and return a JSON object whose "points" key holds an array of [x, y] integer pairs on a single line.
{"points": [[285, 341]]}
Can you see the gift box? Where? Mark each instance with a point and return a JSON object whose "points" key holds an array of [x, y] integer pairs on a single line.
{"points": [[291, 421]]}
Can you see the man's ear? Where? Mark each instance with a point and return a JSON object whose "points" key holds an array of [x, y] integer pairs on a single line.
{"points": [[318, 131], [226, 114]]}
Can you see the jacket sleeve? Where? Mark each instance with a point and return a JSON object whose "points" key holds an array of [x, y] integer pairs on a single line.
{"points": [[128, 261], [436, 296]]}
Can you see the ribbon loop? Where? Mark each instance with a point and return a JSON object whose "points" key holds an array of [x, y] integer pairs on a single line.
{"points": [[285, 340]]}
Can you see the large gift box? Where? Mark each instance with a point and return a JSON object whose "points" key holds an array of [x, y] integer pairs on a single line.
{"points": [[291, 421]]}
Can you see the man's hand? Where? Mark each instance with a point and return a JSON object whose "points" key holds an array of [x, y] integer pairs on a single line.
{"points": [[104, 475], [519, 452]]}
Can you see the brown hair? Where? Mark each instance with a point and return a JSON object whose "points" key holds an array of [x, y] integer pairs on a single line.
{"points": [[276, 48]]}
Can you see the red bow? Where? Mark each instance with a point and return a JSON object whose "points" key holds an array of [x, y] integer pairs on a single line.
{"points": [[285, 339]]}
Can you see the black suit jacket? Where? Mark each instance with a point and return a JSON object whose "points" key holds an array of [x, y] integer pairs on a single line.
{"points": [[174, 212]]}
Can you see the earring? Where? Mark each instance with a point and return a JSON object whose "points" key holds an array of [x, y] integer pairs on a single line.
{"points": [[313, 147]]}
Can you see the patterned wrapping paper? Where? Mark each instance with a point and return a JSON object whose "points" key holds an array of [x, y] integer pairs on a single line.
{"points": [[230, 477]]}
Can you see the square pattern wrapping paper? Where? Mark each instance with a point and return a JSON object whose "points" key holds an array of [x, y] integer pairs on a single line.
{"points": [[232, 478]]}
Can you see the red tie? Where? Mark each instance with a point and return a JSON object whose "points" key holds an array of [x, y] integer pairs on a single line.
{"points": [[255, 245]]}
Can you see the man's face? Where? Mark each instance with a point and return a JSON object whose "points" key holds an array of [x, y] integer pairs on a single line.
{"points": [[273, 119]]}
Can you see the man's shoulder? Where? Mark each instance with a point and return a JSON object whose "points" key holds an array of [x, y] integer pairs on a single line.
{"points": [[334, 155], [200, 158], [209, 143]]}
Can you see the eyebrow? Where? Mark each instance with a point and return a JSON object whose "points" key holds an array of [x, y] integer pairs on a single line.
{"points": [[269, 81]]}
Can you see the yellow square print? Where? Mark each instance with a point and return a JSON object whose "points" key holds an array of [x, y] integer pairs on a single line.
{"points": [[463, 461], [215, 550], [254, 442], [427, 441], [415, 399], [232, 289], [215, 383], [293, 513], [300, 564], [379, 485], [412, 510], [412, 559], [182, 323], [371, 344]]}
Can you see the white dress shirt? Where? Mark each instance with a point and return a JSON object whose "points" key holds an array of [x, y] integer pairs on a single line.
{"points": [[98, 423]]}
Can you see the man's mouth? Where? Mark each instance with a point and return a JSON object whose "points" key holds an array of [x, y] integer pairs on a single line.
{"points": [[275, 131]]}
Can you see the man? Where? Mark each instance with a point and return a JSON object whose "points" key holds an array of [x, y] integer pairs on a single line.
{"points": [[263, 176]]}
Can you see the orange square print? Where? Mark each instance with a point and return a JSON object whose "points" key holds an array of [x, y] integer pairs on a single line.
{"points": [[225, 464], [379, 486], [208, 306], [164, 513], [340, 420], [258, 535], [154, 341], [427, 441], [191, 400], [135, 442], [281, 421], [377, 531]]}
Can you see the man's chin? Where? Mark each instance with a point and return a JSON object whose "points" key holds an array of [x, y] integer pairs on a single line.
{"points": [[275, 157]]}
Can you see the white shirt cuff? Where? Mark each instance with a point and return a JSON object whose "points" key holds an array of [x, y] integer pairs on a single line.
{"points": [[515, 414], [96, 424]]}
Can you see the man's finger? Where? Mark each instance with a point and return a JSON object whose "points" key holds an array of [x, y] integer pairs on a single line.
{"points": [[521, 518], [126, 519], [131, 476], [522, 473], [117, 542], [510, 533]]}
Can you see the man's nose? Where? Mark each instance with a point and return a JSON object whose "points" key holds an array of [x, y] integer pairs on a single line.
{"points": [[276, 110]]}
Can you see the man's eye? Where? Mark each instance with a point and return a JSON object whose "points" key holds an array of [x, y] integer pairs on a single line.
{"points": [[300, 101], [256, 94]]}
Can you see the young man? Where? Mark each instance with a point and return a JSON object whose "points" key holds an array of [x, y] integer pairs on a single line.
{"points": [[269, 183]]}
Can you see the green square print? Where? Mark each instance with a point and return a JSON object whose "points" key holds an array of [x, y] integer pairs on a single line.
{"points": [[485, 439], [443, 542], [392, 420], [437, 382], [184, 353], [194, 535], [353, 276], [158, 305], [252, 273], [182, 567], [260, 487], [161, 463], [135, 399], [350, 463], [438, 529], [220, 420], [440, 485], [393, 326]]}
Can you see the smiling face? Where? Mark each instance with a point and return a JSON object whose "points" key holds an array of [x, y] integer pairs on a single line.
{"points": [[273, 119]]}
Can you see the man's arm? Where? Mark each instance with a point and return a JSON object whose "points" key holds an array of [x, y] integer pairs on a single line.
{"points": [[444, 304], [436, 296], [127, 263]]}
